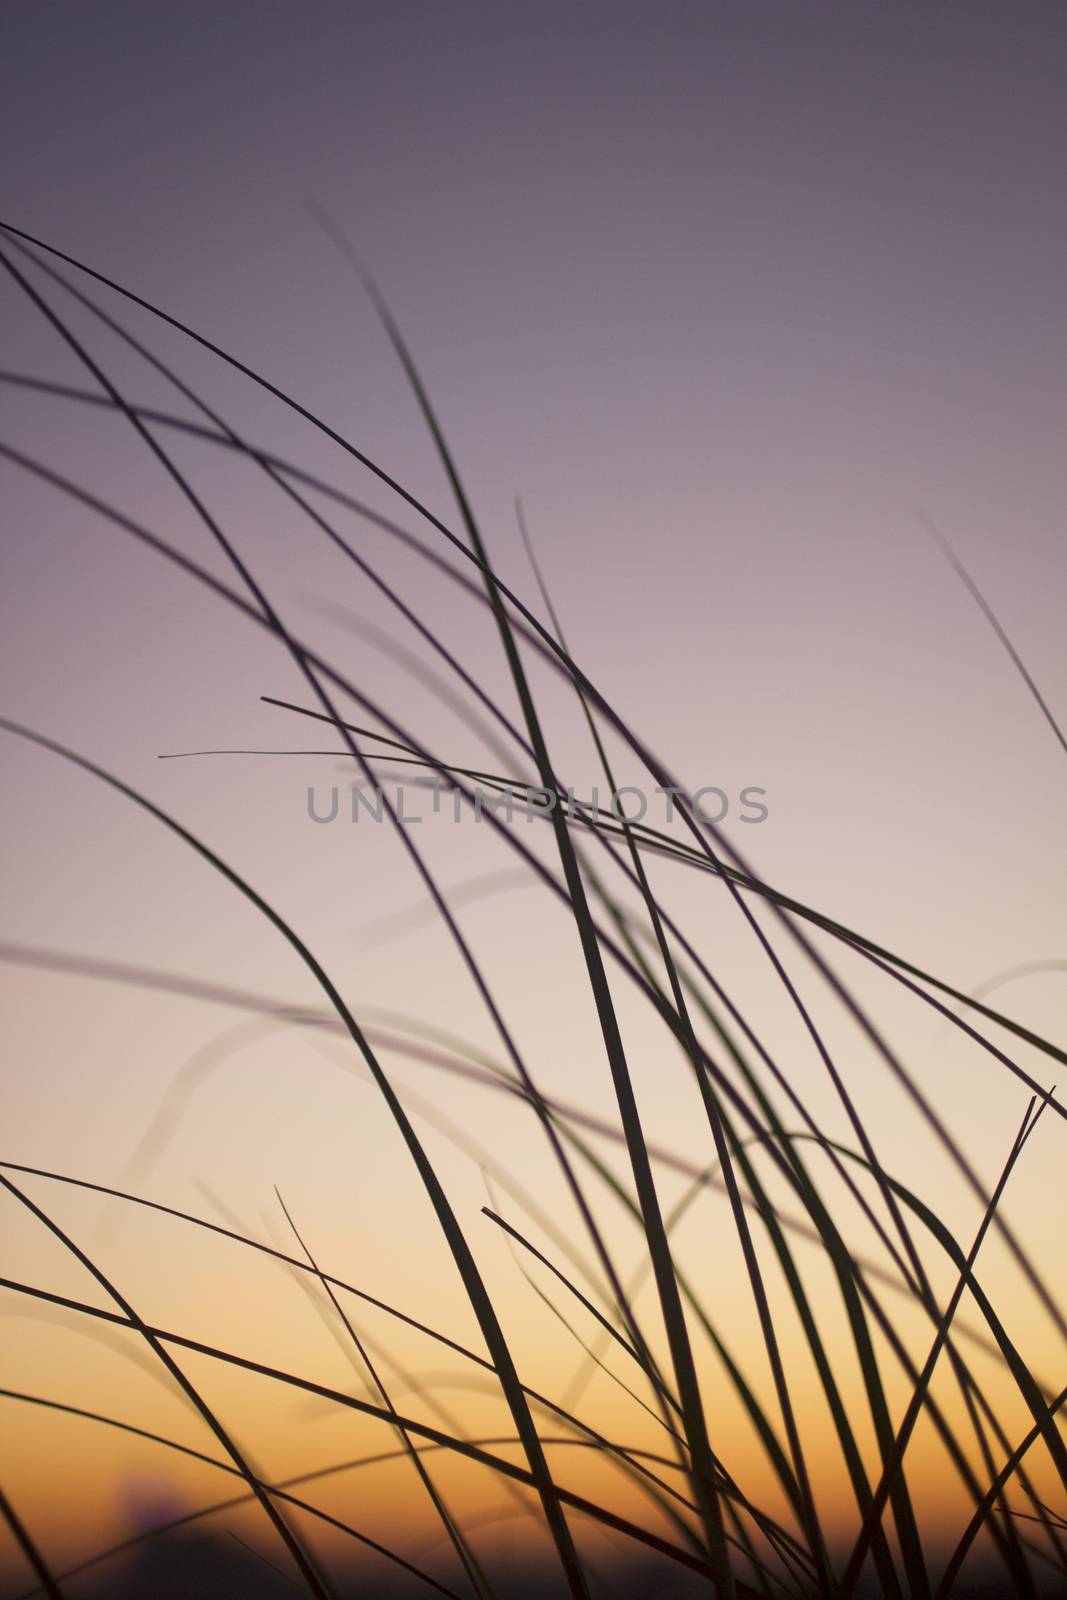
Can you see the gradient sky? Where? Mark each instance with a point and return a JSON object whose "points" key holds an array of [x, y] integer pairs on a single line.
{"points": [[730, 294]]}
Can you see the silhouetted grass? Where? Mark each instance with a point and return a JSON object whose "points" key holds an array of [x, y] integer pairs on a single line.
{"points": [[705, 1527]]}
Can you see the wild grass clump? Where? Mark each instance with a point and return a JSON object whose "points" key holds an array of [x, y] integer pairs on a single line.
{"points": [[855, 1290]]}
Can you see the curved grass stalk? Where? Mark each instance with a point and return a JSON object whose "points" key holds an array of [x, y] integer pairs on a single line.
{"points": [[994, 622]]}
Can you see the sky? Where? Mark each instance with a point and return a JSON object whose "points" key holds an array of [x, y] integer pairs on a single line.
{"points": [[739, 299]]}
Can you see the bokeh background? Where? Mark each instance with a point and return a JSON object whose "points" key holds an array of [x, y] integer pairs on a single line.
{"points": [[734, 297]]}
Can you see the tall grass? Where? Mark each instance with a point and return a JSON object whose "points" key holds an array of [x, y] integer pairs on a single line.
{"points": [[876, 1329]]}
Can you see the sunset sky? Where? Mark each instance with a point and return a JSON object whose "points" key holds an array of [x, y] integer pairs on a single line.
{"points": [[739, 299]]}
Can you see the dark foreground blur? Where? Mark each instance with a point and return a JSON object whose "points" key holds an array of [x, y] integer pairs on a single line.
{"points": [[191, 1565], [195, 1566]]}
